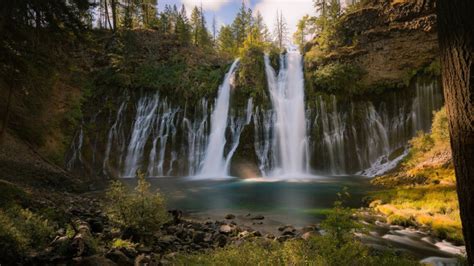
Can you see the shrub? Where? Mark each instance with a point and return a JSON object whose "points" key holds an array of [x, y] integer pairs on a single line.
{"points": [[12, 241], [125, 244], [338, 78], [422, 142], [20, 231], [440, 129], [141, 211]]}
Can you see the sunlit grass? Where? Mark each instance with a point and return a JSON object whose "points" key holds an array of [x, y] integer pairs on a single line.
{"points": [[436, 207]]}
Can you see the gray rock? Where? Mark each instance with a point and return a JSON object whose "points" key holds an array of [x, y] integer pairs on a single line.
{"points": [[119, 257], [221, 240], [230, 216], [257, 217], [198, 236], [95, 260], [225, 229]]}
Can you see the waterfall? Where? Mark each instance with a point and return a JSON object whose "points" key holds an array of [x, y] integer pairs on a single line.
{"points": [[115, 134], [340, 135], [76, 149], [141, 130], [360, 137], [196, 136], [287, 95], [163, 128], [214, 164], [263, 128]]}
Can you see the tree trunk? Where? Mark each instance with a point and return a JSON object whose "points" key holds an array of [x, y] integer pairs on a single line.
{"points": [[7, 114], [113, 6], [456, 40], [107, 16]]}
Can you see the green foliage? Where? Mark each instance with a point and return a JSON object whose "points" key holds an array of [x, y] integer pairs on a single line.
{"points": [[250, 78], [422, 142], [440, 127], [142, 211], [338, 78], [22, 230], [123, 244], [339, 224]]}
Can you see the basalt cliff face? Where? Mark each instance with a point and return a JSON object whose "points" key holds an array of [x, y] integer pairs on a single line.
{"points": [[390, 40]]}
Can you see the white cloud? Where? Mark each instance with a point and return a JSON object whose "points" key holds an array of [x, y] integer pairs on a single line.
{"points": [[293, 10], [212, 5]]}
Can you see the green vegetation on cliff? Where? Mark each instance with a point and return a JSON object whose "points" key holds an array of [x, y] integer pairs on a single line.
{"points": [[376, 44]]}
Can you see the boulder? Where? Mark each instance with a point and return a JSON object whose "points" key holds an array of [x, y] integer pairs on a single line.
{"points": [[198, 237], [221, 240], [257, 217], [230, 216], [119, 257], [95, 260], [226, 229]]}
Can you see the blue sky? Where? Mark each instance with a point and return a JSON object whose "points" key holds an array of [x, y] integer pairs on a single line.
{"points": [[225, 10]]}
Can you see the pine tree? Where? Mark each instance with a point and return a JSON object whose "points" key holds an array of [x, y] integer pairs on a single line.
{"points": [[182, 27], [225, 41], [242, 24]]}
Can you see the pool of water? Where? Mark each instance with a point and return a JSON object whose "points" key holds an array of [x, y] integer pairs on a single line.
{"points": [[296, 201]]}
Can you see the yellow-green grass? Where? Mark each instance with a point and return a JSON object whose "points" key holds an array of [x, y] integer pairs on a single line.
{"points": [[433, 206]]}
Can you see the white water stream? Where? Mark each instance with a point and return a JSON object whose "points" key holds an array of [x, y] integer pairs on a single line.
{"points": [[290, 144]]}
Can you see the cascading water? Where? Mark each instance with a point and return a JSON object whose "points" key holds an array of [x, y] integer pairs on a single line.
{"points": [[214, 164], [358, 137], [287, 94], [340, 135]]}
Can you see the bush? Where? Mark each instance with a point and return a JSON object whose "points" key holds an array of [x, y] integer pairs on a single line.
{"points": [[22, 230], [422, 142], [440, 127], [123, 244], [141, 211], [339, 78], [12, 241]]}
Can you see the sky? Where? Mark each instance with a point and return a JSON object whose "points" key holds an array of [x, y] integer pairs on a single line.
{"points": [[225, 10]]}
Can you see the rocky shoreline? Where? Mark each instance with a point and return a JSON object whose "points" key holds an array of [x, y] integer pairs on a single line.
{"points": [[191, 234]]}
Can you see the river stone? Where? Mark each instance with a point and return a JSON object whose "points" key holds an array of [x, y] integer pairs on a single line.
{"points": [[95, 260], [198, 237], [284, 227], [221, 240], [230, 216], [225, 229], [258, 217], [119, 257], [309, 234]]}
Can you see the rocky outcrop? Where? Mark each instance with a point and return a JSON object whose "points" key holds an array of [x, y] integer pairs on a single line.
{"points": [[388, 39]]}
